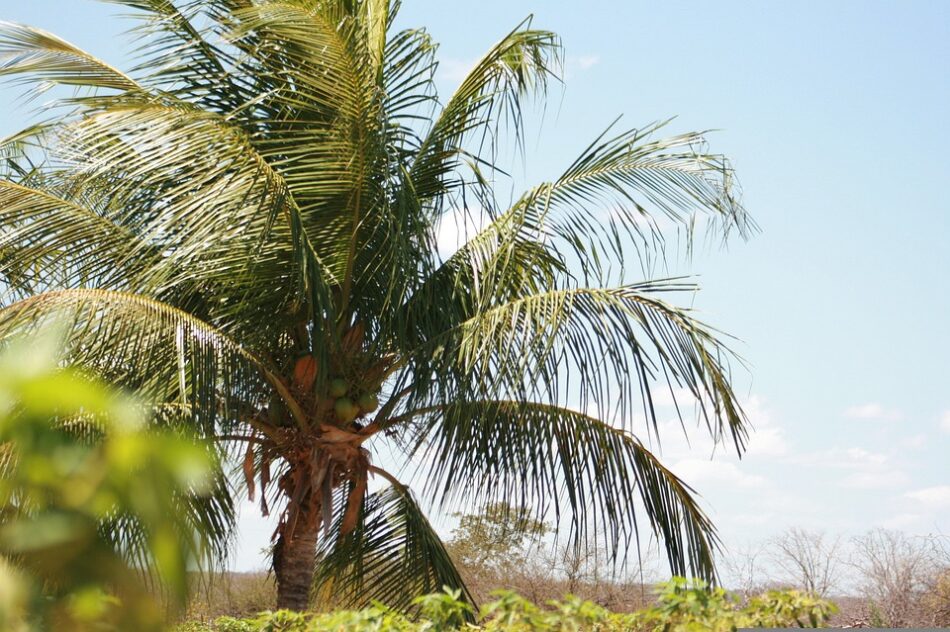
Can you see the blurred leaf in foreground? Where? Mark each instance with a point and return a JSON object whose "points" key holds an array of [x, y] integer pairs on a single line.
{"points": [[74, 458]]}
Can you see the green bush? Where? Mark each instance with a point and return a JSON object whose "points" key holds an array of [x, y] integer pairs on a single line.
{"points": [[682, 606], [74, 457]]}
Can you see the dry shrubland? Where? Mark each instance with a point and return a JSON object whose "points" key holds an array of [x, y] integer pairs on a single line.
{"points": [[881, 578]]}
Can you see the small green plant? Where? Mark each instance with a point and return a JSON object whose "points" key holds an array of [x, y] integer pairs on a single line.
{"points": [[688, 605], [444, 611]]}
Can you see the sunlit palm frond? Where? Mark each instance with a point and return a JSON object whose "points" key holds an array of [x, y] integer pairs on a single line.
{"points": [[52, 243], [177, 51], [515, 68], [603, 347], [193, 187], [48, 60], [158, 351]]}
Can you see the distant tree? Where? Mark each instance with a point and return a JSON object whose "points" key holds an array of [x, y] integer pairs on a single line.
{"points": [[499, 537], [744, 568], [894, 569], [810, 560], [243, 230]]}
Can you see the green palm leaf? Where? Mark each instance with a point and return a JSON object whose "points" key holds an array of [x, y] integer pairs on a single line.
{"points": [[393, 555], [543, 456], [50, 60]]}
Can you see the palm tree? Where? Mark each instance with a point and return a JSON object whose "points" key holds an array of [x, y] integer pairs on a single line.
{"points": [[243, 230]]}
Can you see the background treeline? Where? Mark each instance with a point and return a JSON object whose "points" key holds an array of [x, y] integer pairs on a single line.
{"points": [[882, 578]]}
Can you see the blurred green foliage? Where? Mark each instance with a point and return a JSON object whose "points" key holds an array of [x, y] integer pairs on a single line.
{"points": [[682, 606], [80, 479]]}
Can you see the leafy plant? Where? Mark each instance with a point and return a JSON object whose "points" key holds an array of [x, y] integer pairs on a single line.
{"points": [[243, 231], [74, 456], [683, 606]]}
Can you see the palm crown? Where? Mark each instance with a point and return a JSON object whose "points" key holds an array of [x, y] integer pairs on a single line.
{"points": [[243, 231]]}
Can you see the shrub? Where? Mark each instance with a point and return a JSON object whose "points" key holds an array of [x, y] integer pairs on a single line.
{"points": [[75, 456], [682, 606]]}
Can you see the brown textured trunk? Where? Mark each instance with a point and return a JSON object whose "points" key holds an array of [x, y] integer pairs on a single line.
{"points": [[294, 561]]}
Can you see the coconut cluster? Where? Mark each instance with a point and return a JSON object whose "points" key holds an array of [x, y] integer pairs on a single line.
{"points": [[346, 409], [351, 390]]}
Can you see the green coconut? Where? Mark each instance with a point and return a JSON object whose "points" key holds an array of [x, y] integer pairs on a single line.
{"points": [[368, 402], [276, 411], [346, 410], [338, 387]]}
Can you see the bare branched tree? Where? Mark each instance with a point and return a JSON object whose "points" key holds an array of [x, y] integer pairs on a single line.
{"points": [[810, 560], [895, 570]]}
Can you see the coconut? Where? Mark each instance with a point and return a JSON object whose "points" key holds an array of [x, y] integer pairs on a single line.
{"points": [[276, 411], [345, 409], [305, 372], [338, 387], [368, 402]]}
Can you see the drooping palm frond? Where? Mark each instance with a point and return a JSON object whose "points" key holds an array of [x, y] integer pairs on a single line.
{"points": [[557, 460], [53, 243], [49, 60], [604, 347], [392, 556]]}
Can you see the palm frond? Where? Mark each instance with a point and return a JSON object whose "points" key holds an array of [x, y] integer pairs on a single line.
{"points": [[392, 556], [52, 243], [161, 352], [193, 186], [49, 60], [513, 69], [547, 457], [606, 348]]}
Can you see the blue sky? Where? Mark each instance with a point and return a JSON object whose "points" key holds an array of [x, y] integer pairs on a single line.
{"points": [[835, 116]]}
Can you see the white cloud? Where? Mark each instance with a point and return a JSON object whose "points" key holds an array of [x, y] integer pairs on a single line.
{"points": [[872, 412], [933, 497], [861, 469], [766, 438], [457, 227], [914, 442], [858, 457], [945, 422], [874, 480], [904, 521], [702, 473], [584, 61], [575, 65]]}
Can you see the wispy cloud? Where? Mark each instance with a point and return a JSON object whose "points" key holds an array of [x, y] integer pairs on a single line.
{"points": [[767, 438], [575, 65], [859, 468], [932, 497], [872, 412], [945, 421], [705, 472]]}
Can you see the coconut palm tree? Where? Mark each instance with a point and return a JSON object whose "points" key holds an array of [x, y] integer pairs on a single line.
{"points": [[243, 230]]}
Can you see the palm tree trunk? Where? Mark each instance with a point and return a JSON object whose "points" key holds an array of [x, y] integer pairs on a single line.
{"points": [[294, 561]]}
